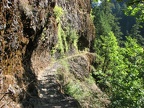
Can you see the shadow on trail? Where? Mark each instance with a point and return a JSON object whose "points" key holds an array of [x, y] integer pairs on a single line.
{"points": [[50, 95]]}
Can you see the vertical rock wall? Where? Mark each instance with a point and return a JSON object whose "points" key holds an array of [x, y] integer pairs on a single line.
{"points": [[28, 28], [77, 15]]}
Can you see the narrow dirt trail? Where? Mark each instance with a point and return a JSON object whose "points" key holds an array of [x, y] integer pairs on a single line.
{"points": [[50, 95], [49, 88]]}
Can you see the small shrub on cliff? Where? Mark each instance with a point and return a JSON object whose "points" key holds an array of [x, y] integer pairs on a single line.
{"points": [[62, 43], [67, 40], [58, 12], [72, 36]]}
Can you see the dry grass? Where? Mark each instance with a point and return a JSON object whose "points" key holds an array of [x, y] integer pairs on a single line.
{"points": [[40, 61], [26, 7]]}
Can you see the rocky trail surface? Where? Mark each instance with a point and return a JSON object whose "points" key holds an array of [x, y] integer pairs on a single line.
{"points": [[50, 91]]}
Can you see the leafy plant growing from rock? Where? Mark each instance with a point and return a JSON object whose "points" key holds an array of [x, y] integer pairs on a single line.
{"points": [[68, 38], [58, 12]]}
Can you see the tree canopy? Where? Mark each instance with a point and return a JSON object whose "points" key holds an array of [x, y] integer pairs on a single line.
{"points": [[120, 73]]}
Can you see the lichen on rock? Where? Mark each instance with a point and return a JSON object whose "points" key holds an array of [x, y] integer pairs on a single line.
{"points": [[34, 36]]}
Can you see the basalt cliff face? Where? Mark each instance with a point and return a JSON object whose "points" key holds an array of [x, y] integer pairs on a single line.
{"points": [[44, 51]]}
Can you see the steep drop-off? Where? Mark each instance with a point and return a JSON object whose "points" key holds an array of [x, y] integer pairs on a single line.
{"points": [[35, 35]]}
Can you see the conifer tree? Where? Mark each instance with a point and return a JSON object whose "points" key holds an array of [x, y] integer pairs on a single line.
{"points": [[105, 21]]}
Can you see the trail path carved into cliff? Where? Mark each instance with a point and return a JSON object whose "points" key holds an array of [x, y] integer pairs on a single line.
{"points": [[50, 94]]}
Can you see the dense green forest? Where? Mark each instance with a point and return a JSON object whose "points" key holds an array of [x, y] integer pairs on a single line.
{"points": [[119, 45]]}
